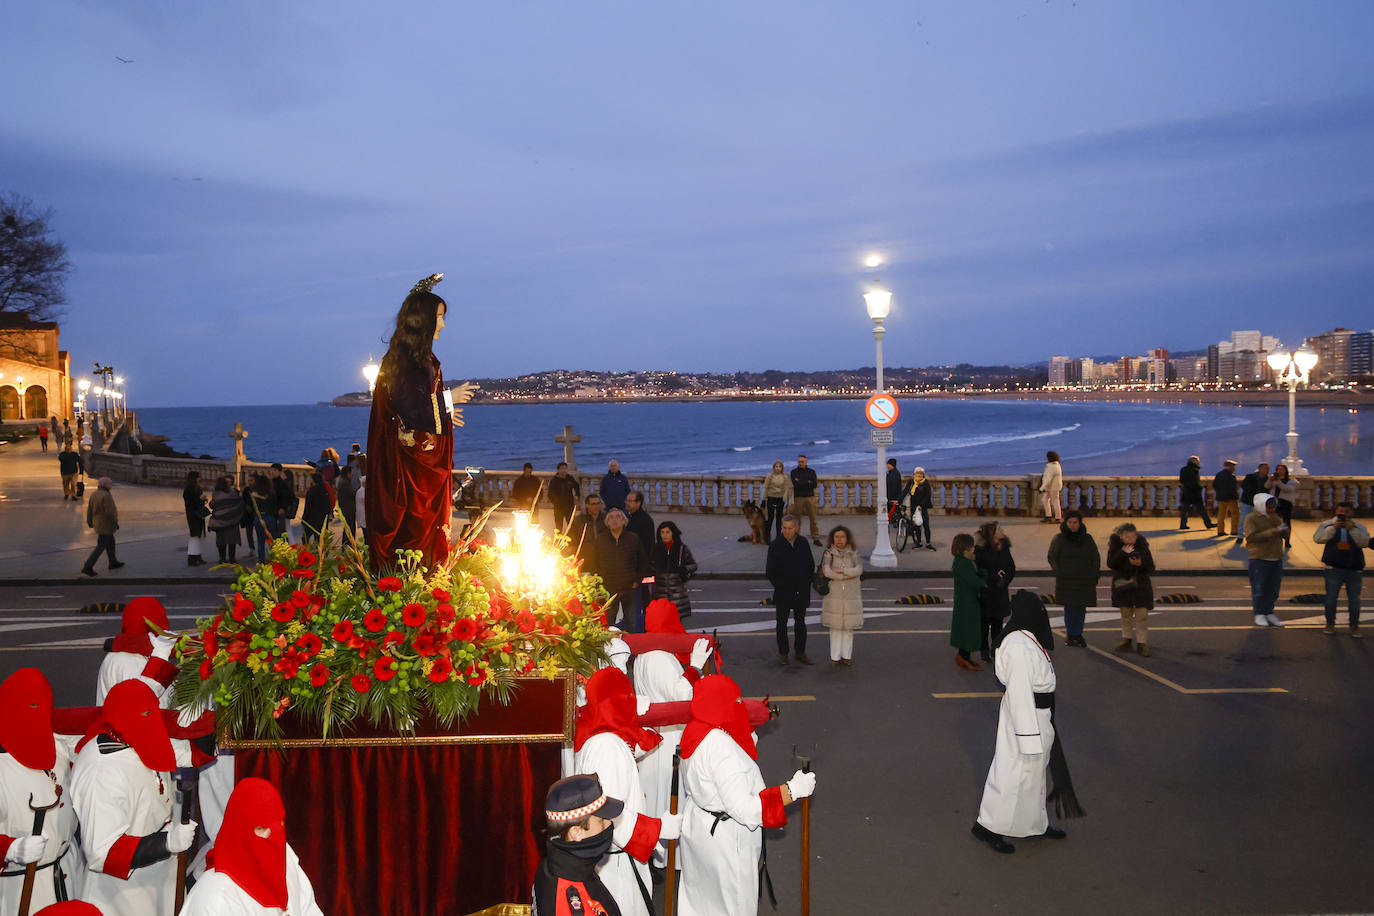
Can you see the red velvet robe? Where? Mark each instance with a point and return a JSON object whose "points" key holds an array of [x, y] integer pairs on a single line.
{"points": [[409, 498]]}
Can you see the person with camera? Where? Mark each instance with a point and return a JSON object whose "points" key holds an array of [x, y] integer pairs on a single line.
{"points": [[1264, 533], [1343, 559]]}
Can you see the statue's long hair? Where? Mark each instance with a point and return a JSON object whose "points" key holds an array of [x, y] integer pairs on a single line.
{"points": [[412, 343]]}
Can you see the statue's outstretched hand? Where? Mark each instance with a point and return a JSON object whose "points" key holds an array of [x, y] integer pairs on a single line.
{"points": [[458, 417], [464, 392]]}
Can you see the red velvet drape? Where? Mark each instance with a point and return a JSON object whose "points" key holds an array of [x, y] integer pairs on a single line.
{"points": [[413, 830]]}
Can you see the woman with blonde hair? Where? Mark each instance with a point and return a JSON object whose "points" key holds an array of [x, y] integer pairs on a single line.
{"points": [[842, 609], [777, 495]]}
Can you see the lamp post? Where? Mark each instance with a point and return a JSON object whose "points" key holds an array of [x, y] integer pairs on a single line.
{"points": [[84, 425], [879, 302], [370, 373], [19, 383], [1293, 370]]}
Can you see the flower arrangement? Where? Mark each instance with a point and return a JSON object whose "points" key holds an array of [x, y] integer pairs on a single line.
{"points": [[312, 633]]}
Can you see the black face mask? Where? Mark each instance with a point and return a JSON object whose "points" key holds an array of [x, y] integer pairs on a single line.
{"points": [[591, 848]]}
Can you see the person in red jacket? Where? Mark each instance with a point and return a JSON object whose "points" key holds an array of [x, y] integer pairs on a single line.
{"points": [[580, 818]]}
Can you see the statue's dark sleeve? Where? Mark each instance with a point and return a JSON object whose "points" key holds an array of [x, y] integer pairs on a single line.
{"points": [[410, 400]]}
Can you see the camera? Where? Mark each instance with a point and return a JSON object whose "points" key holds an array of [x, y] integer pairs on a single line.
{"points": [[1342, 518]]}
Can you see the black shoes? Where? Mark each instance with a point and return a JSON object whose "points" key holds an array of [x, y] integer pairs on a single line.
{"points": [[996, 841], [782, 659], [1054, 833], [88, 572], [802, 657], [1076, 641], [116, 566]]}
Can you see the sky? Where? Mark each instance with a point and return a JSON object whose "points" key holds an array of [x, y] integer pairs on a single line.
{"points": [[619, 185]]}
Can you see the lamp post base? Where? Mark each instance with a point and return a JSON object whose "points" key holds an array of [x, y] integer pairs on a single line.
{"points": [[1293, 462]]}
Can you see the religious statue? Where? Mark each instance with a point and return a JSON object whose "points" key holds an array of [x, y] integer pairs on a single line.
{"points": [[409, 497]]}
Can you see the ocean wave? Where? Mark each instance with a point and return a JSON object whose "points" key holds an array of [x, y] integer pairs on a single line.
{"points": [[741, 448], [994, 438]]}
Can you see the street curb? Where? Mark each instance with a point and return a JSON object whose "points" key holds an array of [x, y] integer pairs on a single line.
{"points": [[104, 580]]}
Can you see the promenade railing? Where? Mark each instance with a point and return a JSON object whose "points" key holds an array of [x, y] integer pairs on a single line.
{"points": [[838, 494]]}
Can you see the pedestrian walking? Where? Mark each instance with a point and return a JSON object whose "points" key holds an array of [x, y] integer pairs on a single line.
{"points": [[1344, 541], [43, 436], [564, 493], [284, 497], [1251, 486], [524, 490], [804, 501], [789, 570], [615, 486], [992, 555], [193, 496], [842, 607], [318, 506], [622, 562], [777, 496], [894, 487], [226, 511], [919, 501], [1132, 564], [102, 516], [327, 466], [1264, 532], [70, 466], [1074, 557], [1226, 489], [1190, 493], [966, 618], [258, 506], [1284, 488], [346, 492], [673, 565], [66, 432], [1051, 483]]}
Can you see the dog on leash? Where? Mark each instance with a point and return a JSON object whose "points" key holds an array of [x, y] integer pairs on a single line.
{"points": [[758, 532]]}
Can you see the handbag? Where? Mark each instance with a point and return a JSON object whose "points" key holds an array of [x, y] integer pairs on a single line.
{"points": [[80, 489], [819, 581]]}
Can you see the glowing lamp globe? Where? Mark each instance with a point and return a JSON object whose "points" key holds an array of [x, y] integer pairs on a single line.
{"points": [[879, 303], [1306, 358], [1278, 360]]}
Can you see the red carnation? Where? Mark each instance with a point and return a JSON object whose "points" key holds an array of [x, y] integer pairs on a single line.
{"points": [[210, 640], [500, 606], [318, 675], [574, 606], [303, 573], [241, 611], [375, 619], [413, 615], [300, 598], [343, 631], [444, 614], [424, 644], [465, 629], [384, 669], [528, 666], [392, 638], [305, 558], [440, 595], [283, 612], [278, 570], [311, 643], [281, 707], [476, 676], [441, 670], [361, 683], [206, 669], [389, 584], [526, 621]]}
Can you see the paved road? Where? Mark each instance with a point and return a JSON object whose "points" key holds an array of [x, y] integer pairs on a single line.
{"points": [[1203, 797]]}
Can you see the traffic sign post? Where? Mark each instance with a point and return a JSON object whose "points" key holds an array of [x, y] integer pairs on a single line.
{"points": [[881, 411]]}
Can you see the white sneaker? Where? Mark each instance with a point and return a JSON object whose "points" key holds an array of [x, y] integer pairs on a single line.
{"points": [[1273, 621], [1260, 621]]}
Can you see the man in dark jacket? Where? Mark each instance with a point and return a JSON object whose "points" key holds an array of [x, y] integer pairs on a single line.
{"points": [[804, 486], [284, 497], [642, 524], [315, 515], [583, 531], [525, 490], [70, 465], [1190, 493], [564, 493], [1227, 490], [894, 485], [1250, 487], [1343, 558], [622, 563], [789, 570], [615, 486]]}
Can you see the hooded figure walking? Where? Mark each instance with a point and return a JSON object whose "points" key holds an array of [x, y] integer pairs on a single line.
{"points": [[1029, 756]]}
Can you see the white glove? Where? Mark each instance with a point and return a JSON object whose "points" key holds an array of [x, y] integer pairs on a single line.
{"points": [[672, 826], [701, 651], [163, 646], [642, 704], [28, 849], [801, 785], [180, 836]]}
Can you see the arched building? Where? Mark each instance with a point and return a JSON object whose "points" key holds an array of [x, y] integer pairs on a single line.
{"points": [[35, 375]]}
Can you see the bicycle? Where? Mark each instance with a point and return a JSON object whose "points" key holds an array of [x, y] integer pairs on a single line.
{"points": [[907, 531]]}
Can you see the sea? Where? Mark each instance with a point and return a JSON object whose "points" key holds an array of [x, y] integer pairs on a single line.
{"points": [[979, 436]]}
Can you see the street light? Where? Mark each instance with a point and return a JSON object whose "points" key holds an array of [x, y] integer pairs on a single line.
{"points": [[878, 301], [1293, 370], [370, 373]]}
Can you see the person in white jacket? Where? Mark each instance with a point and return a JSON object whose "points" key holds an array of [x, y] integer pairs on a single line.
{"points": [[253, 871], [728, 804], [1014, 797], [34, 765], [121, 788], [1051, 483], [142, 650], [607, 742]]}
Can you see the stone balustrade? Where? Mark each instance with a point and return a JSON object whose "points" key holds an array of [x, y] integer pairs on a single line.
{"points": [[838, 494]]}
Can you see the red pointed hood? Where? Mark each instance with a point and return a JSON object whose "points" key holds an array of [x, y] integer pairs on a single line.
{"points": [[256, 864], [661, 616], [69, 908], [611, 707], [716, 703], [141, 615], [26, 719], [131, 714]]}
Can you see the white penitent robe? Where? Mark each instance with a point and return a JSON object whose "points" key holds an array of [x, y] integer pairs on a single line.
{"points": [[610, 758], [17, 784], [116, 796], [127, 666], [720, 872], [659, 678], [217, 895], [1014, 795], [617, 655]]}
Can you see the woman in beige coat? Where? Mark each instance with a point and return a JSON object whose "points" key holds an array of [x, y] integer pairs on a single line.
{"points": [[777, 496], [842, 609], [1051, 483]]}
